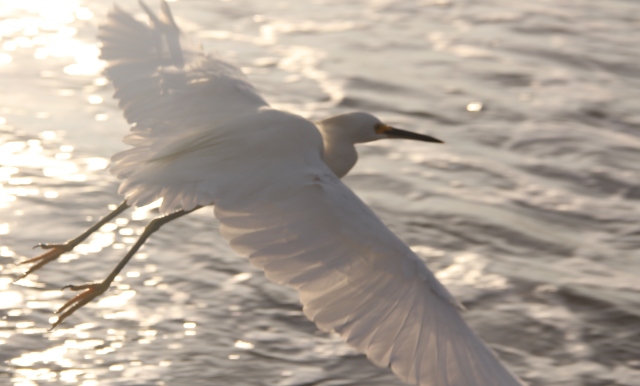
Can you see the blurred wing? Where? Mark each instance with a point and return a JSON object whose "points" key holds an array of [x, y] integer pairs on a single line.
{"points": [[171, 93], [357, 278]]}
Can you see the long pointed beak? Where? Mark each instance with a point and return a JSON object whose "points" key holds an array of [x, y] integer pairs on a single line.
{"points": [[392, 132]]}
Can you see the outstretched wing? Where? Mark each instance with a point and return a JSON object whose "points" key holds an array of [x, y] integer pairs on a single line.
{"points": [[171, 93], [357, 278], [279, 204]]}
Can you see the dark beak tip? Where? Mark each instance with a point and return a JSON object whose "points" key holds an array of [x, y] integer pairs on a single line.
{"points": [[398, 133]]}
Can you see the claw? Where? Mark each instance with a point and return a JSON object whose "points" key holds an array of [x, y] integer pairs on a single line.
{"points": [[47, 246], [93, 290], [55, 250]]}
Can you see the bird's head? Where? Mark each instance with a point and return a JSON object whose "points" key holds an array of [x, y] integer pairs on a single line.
{"points": [[363, 127]]}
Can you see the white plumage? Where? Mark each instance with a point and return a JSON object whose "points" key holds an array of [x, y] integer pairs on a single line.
{"points": [[202, 134], [176, 98]]}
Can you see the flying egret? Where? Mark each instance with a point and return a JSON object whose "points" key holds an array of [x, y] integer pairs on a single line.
{"points": [[201, 134]]}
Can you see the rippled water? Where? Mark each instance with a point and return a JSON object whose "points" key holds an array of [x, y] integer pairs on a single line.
{"points": [[529, 213]]}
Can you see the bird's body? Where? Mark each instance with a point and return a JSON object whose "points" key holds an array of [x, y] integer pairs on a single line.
{"points": [[202, 135]]}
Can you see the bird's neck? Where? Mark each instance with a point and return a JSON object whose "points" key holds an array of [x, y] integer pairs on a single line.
{"points": [[339, 153]]}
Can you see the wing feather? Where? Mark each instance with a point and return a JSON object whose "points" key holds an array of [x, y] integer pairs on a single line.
{"points": [[172, 93], [355, 277], [200, 131]]}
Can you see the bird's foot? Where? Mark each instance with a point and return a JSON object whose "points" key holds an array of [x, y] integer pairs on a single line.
{"points": [[54, 251], [92, 291]]}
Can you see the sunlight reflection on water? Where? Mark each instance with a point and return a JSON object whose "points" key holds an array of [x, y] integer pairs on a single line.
{"points": [[47, 31], [187, 309]]}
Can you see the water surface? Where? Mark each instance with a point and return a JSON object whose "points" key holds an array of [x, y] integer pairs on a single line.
{"points": [[529, 213]]}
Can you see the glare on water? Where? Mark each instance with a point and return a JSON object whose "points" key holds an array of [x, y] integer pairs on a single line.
{"points": [[528, 214]]}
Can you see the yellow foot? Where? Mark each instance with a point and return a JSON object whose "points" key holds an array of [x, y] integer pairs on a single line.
{"points": [[93, 290], [55, 250]]}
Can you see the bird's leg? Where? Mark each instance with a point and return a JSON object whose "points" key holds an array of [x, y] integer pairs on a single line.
{"points": [[93, 290], [55, 250]]}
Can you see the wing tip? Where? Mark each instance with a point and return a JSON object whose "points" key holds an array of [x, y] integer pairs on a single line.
{"points": [[155, 22], [167, 15]]}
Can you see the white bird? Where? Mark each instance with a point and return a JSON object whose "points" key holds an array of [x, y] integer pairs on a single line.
{"points": [[202, 135]]}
